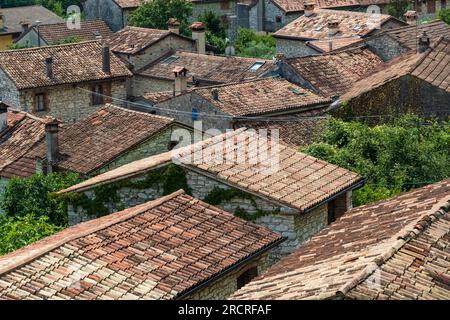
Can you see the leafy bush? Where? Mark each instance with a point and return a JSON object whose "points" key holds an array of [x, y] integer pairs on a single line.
{"points": [[397, 8], [70, 39], [16, 232], [218, 43], [32, 196], [444, 15], [392, 157], [251, 44], [213, 23]]}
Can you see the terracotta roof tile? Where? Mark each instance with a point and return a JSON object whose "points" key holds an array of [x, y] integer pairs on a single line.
{"points": [[158, 250], [91, 143], [383, 239], [297, 5], [334, 73], [312, 182], [431, 66], [214, 69], [13, 17], [72, 63], [351, 24], [128, 3], [88, 30], [336, 44]]}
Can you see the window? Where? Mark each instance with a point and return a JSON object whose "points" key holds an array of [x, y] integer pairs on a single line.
{"points": [[278, 19], [39, 99], [331, 211], [256, 65], [247, 276], [169, 60], [97, 94]]}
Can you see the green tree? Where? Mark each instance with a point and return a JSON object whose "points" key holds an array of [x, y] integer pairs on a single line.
{"points": [[156, 13], [251, 44], [444, 15], [70, 39], [32, 196], [397, 8], [213, 23], [16, 232], [392, 157]]}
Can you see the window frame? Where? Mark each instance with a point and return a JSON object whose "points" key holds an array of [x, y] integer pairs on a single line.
{"points": [[40, 97]]}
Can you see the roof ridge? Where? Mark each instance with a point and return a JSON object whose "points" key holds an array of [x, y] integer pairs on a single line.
{"points": [[150, 115], [34, 250], [406, 234], [425, 54], [53, 47]]}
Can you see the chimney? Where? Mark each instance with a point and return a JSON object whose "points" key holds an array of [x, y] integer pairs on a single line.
{"points": [[174, 25], [215, 94], [3, 116], [333, 27], [424, 42], [411, 17], [2, 21], [25, 25], [106, 59], [308, 8], [51, 141], [198, 34], [49, 67], [180, 79]]}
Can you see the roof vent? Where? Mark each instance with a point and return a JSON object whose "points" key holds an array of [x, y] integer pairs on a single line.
{"points": [[296, 91], [215, 94]]}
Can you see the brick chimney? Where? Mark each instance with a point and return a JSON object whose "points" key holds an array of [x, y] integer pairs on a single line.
{"points": [[173, 25], [3, 116], [106, 59], [308, 7], [411, 17], [333, 27], [424, 42], [180, 79], [198, 34], [51, 141], [49, 67]]}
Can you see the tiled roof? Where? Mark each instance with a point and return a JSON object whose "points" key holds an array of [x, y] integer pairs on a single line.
{"points": [[398, 246], [128, 3], [24, 131], [159, 96], [297, 5], [131, 40], [72, 63], [336, 44], [292, 179], [431, 66], [158, 250], [91, 143], [335, 73], [204, 67], [13, 17], [261, 96], [408, 36], [351, 24], [88, 30]]}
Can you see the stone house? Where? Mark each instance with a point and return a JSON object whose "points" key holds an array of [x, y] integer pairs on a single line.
{"points": [[107, 139], [175, 247], [204, 70], [390, 44], [15, 21], [322, 30], [56, 33], [330, 74], [390, 250], [416, 82], [430, 8], [69, 81], [242, 172], [222, 107]]}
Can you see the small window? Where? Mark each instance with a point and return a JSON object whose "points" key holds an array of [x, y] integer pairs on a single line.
{"points": [[331, 211], [256, 66], [40, 102], [278, 19], [169, 60], [247, 276], [194, 114], [97, 95]]}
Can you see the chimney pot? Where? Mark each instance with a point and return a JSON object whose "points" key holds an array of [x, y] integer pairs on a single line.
{"points": [[25, 25], [51, 140], [180, 79], [174, 25], [308, 8], [411, 17], [424, 42], [333, 27], [3, 116], [106, 59], [198, 34], [49, 67]]}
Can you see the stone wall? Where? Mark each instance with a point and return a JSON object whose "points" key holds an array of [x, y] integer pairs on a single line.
{"points": [[293, 48], [385, 47], [218, 7], [69, 103], [223, 287], [107, 10], [8, 91]]}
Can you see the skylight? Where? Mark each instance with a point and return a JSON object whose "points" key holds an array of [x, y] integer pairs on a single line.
{"points": [[257, 65], [169, 60]]}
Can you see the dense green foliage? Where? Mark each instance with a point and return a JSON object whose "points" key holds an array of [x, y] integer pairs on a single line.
{"points": [[70, 39], [33, 196], [251, 44], [16, 46], [156, 13], [392, 157], [444, 15], [397, 8], [215, 31], [16, 232]]}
